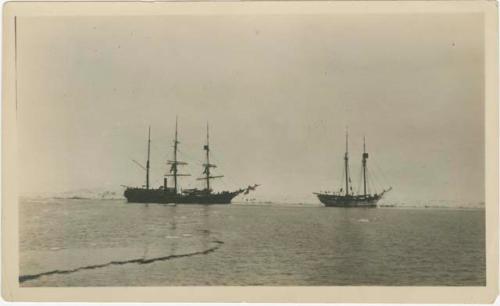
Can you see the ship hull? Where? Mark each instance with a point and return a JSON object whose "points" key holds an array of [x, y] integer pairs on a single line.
{"points": [[141, 195], [330, 200]]}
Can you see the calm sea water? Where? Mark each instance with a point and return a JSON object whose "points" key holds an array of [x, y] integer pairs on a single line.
{"points": [[111, 243]]}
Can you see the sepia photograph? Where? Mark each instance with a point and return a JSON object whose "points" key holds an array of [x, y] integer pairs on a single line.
{"points": [[248, 147]]}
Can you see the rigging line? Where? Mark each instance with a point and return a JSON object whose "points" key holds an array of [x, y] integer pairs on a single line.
{"points": [[373, 180], [214, 157], [381, 181], [158, 150], [371, 186], [367, 184], [192, 148], [333, 185], [370, 181], [359, 180], [222, 182], [377, 181], [158, 181], [342, 182], [368, 189], [351, 190], [134, 160], [182, 152], [216, 160], [342, 179], [381, 172], [351, 183], [156, 145], [190, 158], [197, 161]]}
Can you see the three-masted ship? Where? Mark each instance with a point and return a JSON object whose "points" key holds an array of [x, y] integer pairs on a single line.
{"points": [[166, 194], [346, 197]]}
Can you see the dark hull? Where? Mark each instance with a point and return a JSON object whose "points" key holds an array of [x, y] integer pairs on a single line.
{"points": [[331, 200], [141, 195]]}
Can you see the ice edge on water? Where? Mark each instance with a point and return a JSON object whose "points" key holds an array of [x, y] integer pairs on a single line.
{"points": [[141, 261]]}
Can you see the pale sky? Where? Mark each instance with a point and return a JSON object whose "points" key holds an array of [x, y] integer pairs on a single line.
{"points": [[278, 92]]}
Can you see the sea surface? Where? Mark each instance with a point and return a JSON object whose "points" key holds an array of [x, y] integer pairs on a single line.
{"points": [[83, 242]]}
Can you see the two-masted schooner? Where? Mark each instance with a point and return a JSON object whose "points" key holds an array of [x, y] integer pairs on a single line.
{"points": [[346, 197], [166, 194]]}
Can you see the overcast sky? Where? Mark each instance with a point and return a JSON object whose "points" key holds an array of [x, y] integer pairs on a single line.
{"points": [[278, 92]]}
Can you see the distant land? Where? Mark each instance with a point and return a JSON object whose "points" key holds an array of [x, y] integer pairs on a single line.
{"points": [[117, 194]]}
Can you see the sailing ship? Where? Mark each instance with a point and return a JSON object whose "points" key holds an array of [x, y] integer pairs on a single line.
{"points": [[166, 194], [347, 198]]}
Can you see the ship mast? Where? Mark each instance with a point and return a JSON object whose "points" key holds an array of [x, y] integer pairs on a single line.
{"points": [[208, 165], [365, 157], [174, 163], [176, 143], [346, 162], [147, 162]]}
